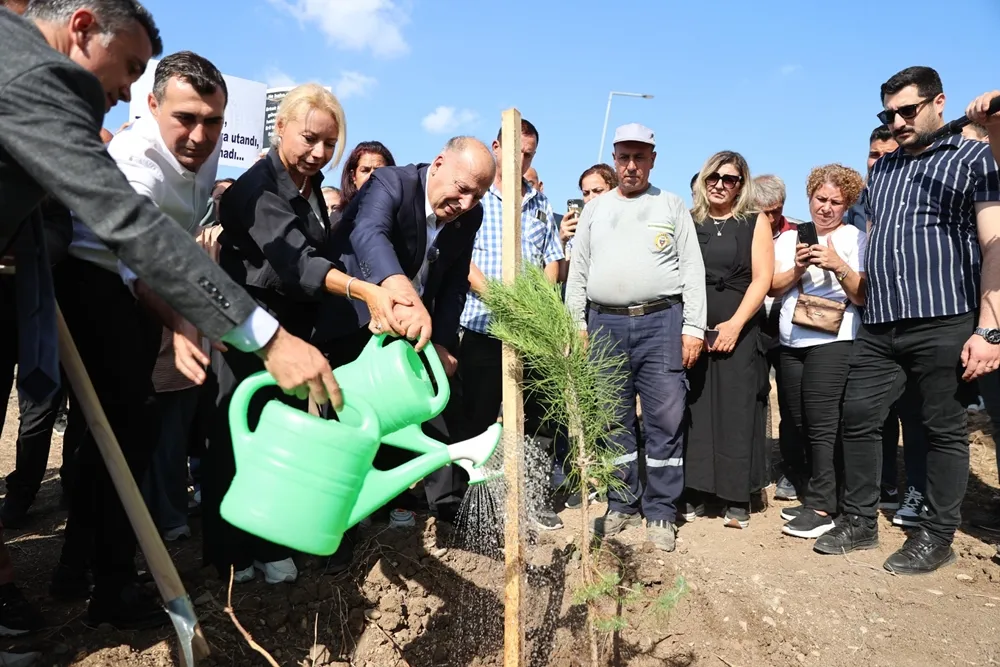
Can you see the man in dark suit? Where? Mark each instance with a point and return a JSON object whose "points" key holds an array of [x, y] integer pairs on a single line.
{"points": [[63, 67], [411, 229]]}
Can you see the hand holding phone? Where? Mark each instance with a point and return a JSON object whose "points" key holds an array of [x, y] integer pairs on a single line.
{"points": [[711, 335], [807, 233]]}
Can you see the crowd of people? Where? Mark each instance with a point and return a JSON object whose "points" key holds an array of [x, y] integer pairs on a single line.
{"points": [[879, 310]]}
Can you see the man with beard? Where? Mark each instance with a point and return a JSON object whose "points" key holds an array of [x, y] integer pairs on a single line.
{"points": [[934, 213]]}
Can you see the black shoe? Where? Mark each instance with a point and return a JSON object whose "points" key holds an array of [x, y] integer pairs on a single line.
{"points": [[849, 533], [790, 513], [447, 512], [17, 615], [737, 515], [70, 583], [128, 608], [988, 521], [808, 525], [688, 512], [920, 555], [14, 513], [785, 490], [888, 499], [573, 500], [547, 520]]}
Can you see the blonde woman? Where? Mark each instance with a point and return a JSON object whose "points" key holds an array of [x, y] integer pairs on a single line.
{"points": [[726, 447], [814, 363], [276, 242]]}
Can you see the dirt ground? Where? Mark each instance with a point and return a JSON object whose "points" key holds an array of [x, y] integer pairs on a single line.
{"points": [[416, 597]]}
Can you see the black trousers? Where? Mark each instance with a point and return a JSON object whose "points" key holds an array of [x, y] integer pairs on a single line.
{"points": [[118, 342], [34, 432], [927, 353], [813, 380], [795, 463]]}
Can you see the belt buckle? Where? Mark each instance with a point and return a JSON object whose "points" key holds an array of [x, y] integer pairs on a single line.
{"points": [[636, 311]]}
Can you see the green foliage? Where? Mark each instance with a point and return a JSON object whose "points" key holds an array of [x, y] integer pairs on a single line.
{"points": [[605, 586], [610, 625], [666, 602], [529, 315]]}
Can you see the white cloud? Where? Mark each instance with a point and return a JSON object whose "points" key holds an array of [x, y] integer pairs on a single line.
{"points": [[357, 25], [788, 70], [353, 84], [444, 120], [275, 78]]}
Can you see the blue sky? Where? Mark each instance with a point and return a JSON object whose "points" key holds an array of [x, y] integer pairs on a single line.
{"points": [[791, 84]]}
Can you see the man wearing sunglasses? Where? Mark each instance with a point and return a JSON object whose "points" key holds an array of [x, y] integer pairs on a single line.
{"points": [[930, 319]]}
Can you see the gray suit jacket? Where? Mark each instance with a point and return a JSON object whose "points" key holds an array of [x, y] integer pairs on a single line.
{"points": [[51, 111]]}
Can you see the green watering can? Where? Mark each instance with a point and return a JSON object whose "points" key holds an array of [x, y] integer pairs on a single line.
{"points": [[302, 481]]}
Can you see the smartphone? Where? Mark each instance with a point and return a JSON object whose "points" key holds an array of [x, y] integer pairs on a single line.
{"points": [[807, 233], [574, 206], [711, 335]]}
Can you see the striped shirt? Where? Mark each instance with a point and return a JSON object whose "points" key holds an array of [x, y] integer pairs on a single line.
{"points": [[923, 256], [540, 245]]}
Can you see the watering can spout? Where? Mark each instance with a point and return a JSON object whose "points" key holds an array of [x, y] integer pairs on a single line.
{"points": [[473, 453]]}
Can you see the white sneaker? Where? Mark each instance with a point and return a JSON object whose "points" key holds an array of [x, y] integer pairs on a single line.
{"points": [[909, 512], [279, 571], [243, 576], [175, 534]]}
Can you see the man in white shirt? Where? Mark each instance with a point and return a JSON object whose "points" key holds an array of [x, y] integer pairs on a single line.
{"points": [[170, 157]]}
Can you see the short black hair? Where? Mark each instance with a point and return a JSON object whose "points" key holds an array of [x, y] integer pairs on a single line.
{"points": [[926, 80], [694, 179], [114, 15], [527, 129], [880, 133], [187, 66]]}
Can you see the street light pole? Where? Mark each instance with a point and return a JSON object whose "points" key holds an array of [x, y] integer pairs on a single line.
{"points": [[607, 115]]}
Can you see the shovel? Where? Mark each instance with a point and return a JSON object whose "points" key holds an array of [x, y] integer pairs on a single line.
{"points": [[193, 646]]}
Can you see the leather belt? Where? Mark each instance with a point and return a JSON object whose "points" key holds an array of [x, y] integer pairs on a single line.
{"points": [[639, 309]]}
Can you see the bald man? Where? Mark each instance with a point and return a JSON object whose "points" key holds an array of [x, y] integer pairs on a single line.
{"points": [[411, 229], [533, 180]]}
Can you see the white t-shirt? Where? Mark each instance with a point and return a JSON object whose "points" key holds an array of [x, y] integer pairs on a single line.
{"points": [[850, 243]]}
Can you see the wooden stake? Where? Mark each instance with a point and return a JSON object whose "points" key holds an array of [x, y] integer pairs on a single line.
{"points": [[513, 405]]}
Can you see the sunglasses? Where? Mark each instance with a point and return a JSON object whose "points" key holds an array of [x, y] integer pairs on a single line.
{"points": [[729, 181], [908, 112]]}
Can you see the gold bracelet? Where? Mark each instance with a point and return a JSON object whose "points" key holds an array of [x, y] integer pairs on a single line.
{"points": [[843, 276], [349, 297]]}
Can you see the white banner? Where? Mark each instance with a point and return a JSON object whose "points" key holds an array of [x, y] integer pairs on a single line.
{"points": [[241, 136]]}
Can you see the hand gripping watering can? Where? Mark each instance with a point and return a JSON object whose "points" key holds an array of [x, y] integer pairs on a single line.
{"points": [[301, 480]]}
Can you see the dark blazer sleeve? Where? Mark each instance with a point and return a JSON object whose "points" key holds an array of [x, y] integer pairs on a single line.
{"points": [[49, 124], [57, 225], [371, 235], [277, 231], [450, 299]]}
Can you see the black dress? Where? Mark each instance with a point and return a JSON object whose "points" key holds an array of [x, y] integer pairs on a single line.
{"points": [[726, 443]]}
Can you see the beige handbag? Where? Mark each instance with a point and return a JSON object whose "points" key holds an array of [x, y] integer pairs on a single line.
{"points": [[818, 313]]}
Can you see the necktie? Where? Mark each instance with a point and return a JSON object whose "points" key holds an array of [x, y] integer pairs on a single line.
{"points": [[38, 351]]}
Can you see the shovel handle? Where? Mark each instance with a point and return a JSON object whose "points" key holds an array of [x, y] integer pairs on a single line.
{"points": [[160, 565]]}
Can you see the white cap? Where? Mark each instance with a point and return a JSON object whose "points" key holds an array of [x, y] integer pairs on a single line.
{"points": [[634, 132]]}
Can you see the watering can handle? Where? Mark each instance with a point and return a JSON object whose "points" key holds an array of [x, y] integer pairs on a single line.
{"points": [[440, 401], [239, 404]]}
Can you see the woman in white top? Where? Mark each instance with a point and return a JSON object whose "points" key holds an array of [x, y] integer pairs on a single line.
{"points": [[814, 363]]}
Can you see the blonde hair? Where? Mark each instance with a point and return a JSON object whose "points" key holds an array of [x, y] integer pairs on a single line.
{"points": [[848, 181], [746, 200], [312, 97]]}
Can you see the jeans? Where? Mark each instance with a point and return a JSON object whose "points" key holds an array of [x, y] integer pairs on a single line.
{"points": [[654, 372], [795, 464], [905, 413], [989, 387], [926, 353], [813, 380], [165, 486]]}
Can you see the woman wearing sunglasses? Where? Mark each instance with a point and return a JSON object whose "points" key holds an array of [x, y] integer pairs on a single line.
{"points": [[726, 446], [815, 351]]}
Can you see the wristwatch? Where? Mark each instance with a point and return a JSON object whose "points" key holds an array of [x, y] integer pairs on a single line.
{"points": [[992, 336]]}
